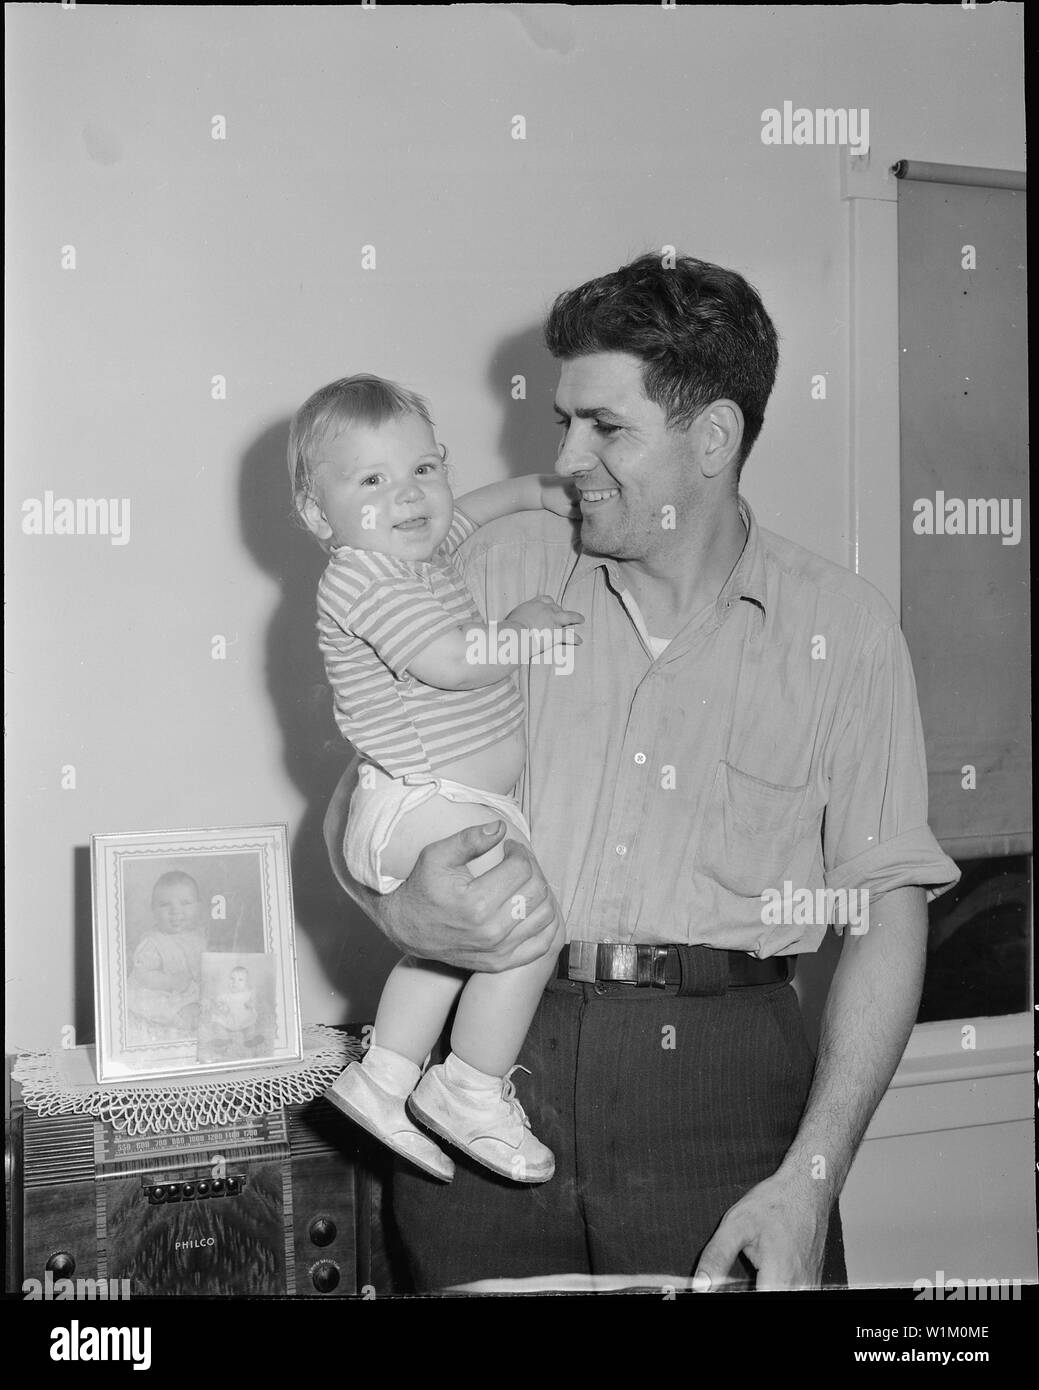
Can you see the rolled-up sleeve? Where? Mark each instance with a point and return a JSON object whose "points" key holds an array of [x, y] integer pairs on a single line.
{"points": [[875, 831]]}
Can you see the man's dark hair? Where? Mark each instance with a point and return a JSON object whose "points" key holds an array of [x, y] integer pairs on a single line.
{"points": [[701, 331]]}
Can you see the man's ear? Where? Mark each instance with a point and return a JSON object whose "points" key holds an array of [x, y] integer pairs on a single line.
{"points": [[314, 519], [722, 424]]}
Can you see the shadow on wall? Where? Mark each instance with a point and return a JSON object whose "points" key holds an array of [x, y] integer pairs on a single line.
{"points": [[529, 438], [82, 946], [352, 954]]}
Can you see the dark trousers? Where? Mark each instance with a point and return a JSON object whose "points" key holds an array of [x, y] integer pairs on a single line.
{"points": [[662, 1106]]}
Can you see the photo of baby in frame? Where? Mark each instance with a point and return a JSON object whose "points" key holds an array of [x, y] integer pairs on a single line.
{"points": [[237, 1011], [194, 951]]}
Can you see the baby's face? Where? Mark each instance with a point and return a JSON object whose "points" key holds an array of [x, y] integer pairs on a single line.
{"points": [[239, 981], [384, 489], [175, 908]]}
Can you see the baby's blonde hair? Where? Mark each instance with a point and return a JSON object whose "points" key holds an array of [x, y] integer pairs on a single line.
{"points": [[352, 400]]}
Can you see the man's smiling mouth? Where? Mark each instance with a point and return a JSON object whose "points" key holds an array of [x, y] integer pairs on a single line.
{"points": [[599, 494]]}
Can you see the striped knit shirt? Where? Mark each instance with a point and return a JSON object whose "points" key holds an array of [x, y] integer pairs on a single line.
{"points": [[376, 613]]}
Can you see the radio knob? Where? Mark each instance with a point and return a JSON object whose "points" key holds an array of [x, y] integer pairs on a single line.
{"points": [[323, 1231], [62, 1264], [325, 1277]]}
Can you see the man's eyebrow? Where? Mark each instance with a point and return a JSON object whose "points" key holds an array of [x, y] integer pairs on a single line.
{"points": [[593, 412]]}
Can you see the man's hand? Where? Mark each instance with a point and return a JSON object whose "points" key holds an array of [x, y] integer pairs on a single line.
{"points": [[780, 1225], [780, 1228], [506, 917]]}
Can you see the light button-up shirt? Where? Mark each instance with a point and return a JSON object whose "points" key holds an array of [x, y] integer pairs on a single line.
{"points": [[773, 745]]}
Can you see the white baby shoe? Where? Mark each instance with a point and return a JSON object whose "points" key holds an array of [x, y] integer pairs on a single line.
{"points": [[357, 1094], [490, 1126]]}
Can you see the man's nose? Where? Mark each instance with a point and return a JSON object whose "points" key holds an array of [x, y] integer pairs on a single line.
{"points": [[574, 456]]}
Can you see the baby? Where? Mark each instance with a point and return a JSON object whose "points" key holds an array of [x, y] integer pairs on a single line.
{"points": [[234, 1010], [426, 691], [163, 988]]}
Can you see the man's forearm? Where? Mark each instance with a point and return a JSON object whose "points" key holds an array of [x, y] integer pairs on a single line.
{"points": [[870, 1012]]}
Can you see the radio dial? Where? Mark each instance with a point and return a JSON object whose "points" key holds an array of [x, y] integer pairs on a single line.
{"points": [[62, 1264], [325, 1276], [323, 1231]]}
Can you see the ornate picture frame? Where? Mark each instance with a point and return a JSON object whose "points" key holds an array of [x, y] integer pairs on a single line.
{"points": [[194, 952]]}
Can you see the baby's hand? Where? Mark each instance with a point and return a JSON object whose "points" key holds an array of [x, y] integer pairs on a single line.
{"points": [[543, 613], [560, 496]]}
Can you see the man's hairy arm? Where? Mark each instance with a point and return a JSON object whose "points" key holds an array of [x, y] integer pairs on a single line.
{"points": [[504, 918], [780, 1224]]}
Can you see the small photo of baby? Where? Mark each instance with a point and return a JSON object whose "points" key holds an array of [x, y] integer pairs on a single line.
{"points": [[237, 1014]]}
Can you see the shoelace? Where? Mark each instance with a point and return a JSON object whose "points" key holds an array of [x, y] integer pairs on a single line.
{"points": [[508, 1093]]}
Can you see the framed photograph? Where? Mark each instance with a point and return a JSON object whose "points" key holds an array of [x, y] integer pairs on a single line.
{"points": [[194, 951]]}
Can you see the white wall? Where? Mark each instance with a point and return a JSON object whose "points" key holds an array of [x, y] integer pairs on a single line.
{"points": [[243, 257]]}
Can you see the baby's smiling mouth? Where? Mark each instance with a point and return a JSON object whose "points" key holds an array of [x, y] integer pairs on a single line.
{"points": [[411, 524]]}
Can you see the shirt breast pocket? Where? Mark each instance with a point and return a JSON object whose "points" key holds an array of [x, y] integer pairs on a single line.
{"points": [[751, 829]]}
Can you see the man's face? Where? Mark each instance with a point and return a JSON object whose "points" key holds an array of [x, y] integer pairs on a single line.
{"points": [[627, 465], [383, 488]]}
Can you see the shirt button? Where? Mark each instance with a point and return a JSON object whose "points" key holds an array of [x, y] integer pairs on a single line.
{"points": [[640, 758], [622, 849]]}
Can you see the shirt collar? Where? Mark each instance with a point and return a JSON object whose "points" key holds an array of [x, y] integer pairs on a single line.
{"points": [[746, 582]]}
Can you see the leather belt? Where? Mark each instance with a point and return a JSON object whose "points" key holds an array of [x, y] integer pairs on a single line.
{"points": [[607, 962]]}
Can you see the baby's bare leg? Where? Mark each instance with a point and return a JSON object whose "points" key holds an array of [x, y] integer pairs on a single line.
{"points": [[414, 1005], [495, 1011], [419, 994]]}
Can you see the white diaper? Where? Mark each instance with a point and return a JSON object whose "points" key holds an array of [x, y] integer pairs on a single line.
{"points": [[379, 802]]}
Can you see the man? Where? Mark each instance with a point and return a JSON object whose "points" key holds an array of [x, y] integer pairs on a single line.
{"points": [[741, 721]]}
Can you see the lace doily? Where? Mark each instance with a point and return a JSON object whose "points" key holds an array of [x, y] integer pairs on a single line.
{"points": [[63, 1082]]}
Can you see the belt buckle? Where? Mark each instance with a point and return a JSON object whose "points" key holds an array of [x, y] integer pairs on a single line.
{"points": [[618, 961], [582, 958], [589, 962]]}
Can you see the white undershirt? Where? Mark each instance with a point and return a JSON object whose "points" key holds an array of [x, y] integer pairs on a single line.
{"points": [[657, 645]]}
